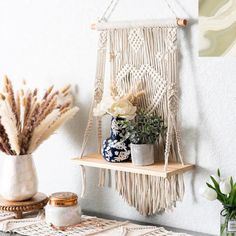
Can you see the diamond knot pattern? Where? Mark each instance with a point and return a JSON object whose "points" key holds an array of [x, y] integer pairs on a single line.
{"points": [[102, 39], [171, 40], [135, 39], [161, 56], [173, 98], [146, 74]]}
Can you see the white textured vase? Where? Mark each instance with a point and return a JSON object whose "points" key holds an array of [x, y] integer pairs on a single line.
{"points": [[18, 178]]}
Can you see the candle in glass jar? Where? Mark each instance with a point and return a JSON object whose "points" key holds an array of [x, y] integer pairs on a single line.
{"points": [[63, 209]]}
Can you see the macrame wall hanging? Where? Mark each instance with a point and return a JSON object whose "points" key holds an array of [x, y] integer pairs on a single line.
{"points": [[143, 53]]}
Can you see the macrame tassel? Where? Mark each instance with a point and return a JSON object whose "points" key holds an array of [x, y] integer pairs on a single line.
{"points": [[149, 194], [104, 175]]}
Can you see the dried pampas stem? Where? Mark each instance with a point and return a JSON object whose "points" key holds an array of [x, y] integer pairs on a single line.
{"points": [[4, 140], [9, 122], [66, 89], [18, 108], [11, 98], [41, 129], [58, 122], [48, 91]]}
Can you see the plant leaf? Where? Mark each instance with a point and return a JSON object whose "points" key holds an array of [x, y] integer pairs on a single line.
{"points": [[220, 196]]}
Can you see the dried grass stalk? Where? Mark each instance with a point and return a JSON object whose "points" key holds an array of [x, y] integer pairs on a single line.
{"points": [[9, 122], [40, 130], [57, 123]]}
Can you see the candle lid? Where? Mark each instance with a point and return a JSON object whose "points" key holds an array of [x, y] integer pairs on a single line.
{"points": [[63, 199]]}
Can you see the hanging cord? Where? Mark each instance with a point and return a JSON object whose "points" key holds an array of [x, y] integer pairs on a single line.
{"points": [[83, 180], [109, 10], [113, 4], [171, 8]]}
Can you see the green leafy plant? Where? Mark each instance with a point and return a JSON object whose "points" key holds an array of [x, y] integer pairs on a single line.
{"points": [[223, 190], [144, 129]]}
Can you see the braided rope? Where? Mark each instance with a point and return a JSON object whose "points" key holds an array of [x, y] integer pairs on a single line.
{"points": [[98, 92], [111, 7], [170, 8]]}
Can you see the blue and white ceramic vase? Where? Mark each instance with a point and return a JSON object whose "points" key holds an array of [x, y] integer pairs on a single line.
{"points": [[116, 148]]}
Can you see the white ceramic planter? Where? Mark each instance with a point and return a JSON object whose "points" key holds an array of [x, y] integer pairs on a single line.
{"points": [[142, 154], [18, 178]]}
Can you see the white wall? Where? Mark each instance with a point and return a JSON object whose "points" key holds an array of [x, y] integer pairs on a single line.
{"points": [[49, 42]]}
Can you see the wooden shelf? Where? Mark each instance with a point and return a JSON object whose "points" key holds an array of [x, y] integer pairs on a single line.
{"points": [[157, 169]]}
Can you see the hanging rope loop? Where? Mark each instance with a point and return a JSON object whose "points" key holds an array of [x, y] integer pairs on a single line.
{"points": [[109, 10], [113, 4], [171, 8]]}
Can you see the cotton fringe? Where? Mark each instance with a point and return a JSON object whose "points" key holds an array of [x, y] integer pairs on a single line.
{"points": [[149, 194], [146, 56]]}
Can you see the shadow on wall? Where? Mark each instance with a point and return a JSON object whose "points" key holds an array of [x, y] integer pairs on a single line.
{"points": [[191, 134], [76, 127]]}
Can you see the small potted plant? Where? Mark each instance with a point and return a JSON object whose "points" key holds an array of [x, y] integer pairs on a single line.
{"points": [[223, 190], [143, 132]]}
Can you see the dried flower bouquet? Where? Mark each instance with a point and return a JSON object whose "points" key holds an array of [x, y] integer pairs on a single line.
{"points": [[26, 120], [116, 148], [123, 107]]}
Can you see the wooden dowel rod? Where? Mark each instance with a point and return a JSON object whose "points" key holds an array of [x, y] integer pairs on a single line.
{"points": [[97, 26], [182, 22], [93, 26]]}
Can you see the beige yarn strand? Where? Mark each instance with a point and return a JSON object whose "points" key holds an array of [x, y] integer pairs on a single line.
{"points": [[98, 92]]}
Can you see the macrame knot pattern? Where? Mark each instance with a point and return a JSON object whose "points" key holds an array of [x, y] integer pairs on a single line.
{"points": [[162, 56], [172, 40], [98, 89], [102, 40], [135, 39], [173, 98], [153, 83], [114, 55]]}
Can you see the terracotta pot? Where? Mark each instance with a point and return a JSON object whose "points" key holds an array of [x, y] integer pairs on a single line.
{"points": [[18, 178]]}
